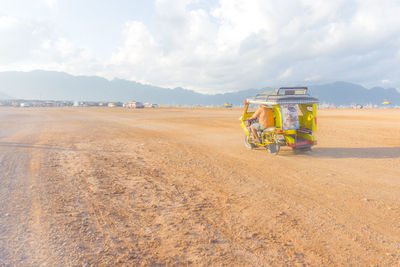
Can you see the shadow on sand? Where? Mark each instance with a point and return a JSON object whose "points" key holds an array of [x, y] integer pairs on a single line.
{"points": [[48, 147], [361, 152]]}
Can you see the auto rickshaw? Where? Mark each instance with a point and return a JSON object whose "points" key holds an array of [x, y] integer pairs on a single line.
{"points": [[295, 120]]}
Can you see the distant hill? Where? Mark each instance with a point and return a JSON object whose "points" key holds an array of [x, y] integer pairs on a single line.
{"points": [[342, 93], [52, 85]]}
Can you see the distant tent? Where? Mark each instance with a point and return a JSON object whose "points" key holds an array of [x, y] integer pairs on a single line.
{"points": [[385, 102], [227, 105]]}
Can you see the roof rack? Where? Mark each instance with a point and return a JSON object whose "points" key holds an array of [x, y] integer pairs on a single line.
{"points": [[284, 95]]}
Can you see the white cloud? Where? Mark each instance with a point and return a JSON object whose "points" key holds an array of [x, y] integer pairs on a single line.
{"points": [[27, 44], [285, 74], [51, 3], [7, 22], [255, 43], [19, 38], [232, 45]]}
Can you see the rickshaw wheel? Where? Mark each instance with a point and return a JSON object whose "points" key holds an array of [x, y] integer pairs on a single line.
{"points": [[274, 148], [247, 142]]}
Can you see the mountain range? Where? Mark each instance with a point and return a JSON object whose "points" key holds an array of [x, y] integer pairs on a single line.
{"points": [[50, 85]]}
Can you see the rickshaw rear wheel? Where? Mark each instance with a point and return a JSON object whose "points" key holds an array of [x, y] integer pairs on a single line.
{"points": [[274, 148], [247, 142]]}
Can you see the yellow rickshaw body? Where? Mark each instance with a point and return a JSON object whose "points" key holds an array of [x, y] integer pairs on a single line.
{"points": [[300, 136]]}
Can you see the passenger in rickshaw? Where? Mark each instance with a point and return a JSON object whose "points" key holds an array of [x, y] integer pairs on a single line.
{"points": [[265, 117]]}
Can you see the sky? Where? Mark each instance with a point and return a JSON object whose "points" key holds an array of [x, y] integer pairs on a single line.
{"points": [[210, 46]]}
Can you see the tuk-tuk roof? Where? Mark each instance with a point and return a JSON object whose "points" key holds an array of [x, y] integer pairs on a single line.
{"points": [[284, 96]]}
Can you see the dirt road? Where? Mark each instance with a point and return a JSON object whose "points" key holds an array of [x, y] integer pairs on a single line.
{"points": [[178, 187]]}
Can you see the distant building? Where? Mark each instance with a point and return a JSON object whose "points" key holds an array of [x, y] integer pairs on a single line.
{"points": [[134, 104], [25, 105]]}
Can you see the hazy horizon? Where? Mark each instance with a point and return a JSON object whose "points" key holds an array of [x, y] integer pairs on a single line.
{"points": [[48, 85]]}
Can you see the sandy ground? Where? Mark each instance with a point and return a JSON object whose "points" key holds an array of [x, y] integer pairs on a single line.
{"points": [[178, 187]]}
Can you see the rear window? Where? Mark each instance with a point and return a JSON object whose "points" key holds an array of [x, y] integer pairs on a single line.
{"points": [[252, 108]]}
